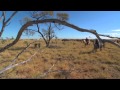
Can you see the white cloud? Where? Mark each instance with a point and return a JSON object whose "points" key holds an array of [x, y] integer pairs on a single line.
{"points": [[117, 30], [113, 34]]}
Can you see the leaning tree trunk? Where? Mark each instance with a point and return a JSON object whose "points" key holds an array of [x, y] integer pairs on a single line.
{"points": [[30, 23]]}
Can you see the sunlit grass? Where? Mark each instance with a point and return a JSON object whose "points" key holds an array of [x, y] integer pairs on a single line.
{"points": [[71, 55]]}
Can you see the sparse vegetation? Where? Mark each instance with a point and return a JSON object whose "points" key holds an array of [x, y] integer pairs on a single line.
{"points": [[71, 59], [74, 61]]}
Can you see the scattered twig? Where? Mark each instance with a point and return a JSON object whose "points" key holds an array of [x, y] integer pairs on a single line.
{"points": [[48, 71]]}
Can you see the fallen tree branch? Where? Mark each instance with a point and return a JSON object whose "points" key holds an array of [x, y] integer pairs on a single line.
{"points": [[48, 71], [110, 41], [12, 66], [14, 60], [65, 72]]}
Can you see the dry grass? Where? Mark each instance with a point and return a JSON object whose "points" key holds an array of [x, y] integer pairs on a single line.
{"points": [[74, 61]]}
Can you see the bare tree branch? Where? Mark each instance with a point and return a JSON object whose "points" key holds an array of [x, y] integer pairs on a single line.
{"points": [[58, 27], [32, 30], [1, 16], [13, 14], [108, 36], [41, 33], [4, 22], [4, 17]]}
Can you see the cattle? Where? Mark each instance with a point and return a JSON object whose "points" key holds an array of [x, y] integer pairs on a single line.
{"points": [[37, 45]]}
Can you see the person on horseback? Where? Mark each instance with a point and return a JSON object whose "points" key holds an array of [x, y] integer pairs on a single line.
{"points": [[87, 41]]}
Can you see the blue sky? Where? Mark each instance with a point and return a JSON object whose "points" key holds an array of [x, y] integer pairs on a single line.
{"points": [[104, 22]]}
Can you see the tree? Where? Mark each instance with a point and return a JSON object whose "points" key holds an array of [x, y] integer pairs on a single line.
{"points": [[47, 34]]}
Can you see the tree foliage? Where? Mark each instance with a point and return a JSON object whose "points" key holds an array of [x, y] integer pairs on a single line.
{"points": [[62, 16], [49, 33], [40, 15]]}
